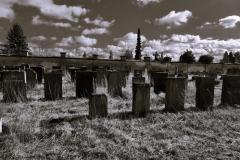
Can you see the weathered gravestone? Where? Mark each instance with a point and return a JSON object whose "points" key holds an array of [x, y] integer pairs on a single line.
{"points": [[40, 73], [85, 83], [159, 81], [231, 90], [114, 83], [175, 94], [31, 76], [141, 99], [204, 92], [98, 105], [101, 77], [53, 86], [14, 86]]}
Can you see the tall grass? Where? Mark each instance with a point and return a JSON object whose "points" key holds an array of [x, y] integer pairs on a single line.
{"points": [[186, 135]]}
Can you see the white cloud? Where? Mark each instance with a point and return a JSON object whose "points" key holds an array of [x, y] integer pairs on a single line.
{"points": [[6, 10], [46, 7], [177, 44], [99, 21], [66, 42], [36, 20], [146, 2], [86, 41], [129, 41], [230, 21], [174, 18], [39, 38], [96, 31], [72, 41]]}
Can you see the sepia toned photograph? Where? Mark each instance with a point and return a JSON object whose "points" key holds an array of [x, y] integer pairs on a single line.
{"points": [[119, 79]]}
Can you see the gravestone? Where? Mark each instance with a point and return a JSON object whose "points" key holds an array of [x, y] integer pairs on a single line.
{"points": [[204, 92], [31, 76], [73, 70], [53, 86], [138, 80], [147, 59], [159, 81], [114, 83], [63, 54], [14, 86], [85, 83], [231, 90], [98, 105], [40, 73], [101, 77], [175, 94], [138, 73], [141, 99]]}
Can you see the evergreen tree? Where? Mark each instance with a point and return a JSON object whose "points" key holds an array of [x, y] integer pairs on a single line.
{"points": [[110, 55], [16, 41], [84, 55], [138, 46]]}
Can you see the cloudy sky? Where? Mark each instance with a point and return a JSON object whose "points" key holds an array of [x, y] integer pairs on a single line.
{"points": [[98, 26]]}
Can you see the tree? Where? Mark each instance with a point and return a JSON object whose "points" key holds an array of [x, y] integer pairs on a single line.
{"points": [[16, 41], [84, 55], [167, 59], [205, 59], [231, 58], [110, 55], [129, 54], [187, 57], [138, 46]]}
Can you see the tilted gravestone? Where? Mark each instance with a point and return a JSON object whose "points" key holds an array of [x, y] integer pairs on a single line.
{"points": [[204, 92], [141, 99], [40, 73], [114, 83], [98, 105], [85, 83], [231, 90], [31, 76], [14, 86], [175, 94], [159, 81], [53, 86]]}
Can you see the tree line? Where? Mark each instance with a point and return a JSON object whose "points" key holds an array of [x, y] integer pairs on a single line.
{"points": [[16, 44]]}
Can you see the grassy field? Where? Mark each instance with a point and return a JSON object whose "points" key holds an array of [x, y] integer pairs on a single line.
{"points": [[61, 130]]}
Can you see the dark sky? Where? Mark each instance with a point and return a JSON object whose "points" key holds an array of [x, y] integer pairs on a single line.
{"points": [[63, 23]]}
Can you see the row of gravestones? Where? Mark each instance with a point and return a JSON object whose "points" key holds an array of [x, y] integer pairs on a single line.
{"points": [[175, 88], [14, 86]]}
